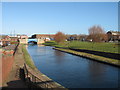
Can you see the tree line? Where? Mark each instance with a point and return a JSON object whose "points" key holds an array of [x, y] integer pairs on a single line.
{"points": [[96, 34]]}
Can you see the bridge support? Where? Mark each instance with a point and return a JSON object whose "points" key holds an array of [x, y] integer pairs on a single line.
{"points": [[40, 41], [23, 41]]}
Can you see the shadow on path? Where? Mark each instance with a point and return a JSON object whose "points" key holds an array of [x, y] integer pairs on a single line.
{"points": [[17, 83], [21, 83]]}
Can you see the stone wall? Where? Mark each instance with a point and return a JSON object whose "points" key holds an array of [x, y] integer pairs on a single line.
{"points": [[40, 41], [7, 55], [23, 41]]}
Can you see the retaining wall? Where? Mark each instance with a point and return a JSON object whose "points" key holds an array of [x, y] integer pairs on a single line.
{"points": [[7, 60]]}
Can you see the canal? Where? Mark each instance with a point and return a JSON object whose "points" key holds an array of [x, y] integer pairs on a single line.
{"points": [[73, 71]]}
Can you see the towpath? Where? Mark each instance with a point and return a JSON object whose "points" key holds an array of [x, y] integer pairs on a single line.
{"points": [[14, 80]]}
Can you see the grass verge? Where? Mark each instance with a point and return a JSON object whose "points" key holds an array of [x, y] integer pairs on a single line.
{"points": [[94, 46], [50, 43], [91, 56], [27, 57]]}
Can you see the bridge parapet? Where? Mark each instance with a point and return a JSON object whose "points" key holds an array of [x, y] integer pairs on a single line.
{"points": [[25, 41]]}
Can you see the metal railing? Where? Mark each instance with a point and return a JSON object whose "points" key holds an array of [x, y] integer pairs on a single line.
{"points": [[35, 81]]}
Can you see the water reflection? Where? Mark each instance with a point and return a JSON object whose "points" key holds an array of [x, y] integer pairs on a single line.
{"points": [[95, 73], [40, 45], [42, 49], [73, 71], [59, 56]]}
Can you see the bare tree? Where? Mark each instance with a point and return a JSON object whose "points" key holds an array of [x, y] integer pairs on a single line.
{"points": [[60, 37], [96, 34], [68, 36], [82, 37]]}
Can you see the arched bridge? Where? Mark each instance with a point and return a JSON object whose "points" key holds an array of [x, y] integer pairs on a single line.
{"points": [[34, 40], [26, 41]]}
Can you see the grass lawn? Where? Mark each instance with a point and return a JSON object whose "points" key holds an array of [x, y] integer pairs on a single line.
{"points": [[27, 57], [50, 43], [103, 46]]}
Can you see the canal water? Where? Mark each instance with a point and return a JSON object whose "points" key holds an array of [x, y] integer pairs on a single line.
{"points": [[73, 71]]}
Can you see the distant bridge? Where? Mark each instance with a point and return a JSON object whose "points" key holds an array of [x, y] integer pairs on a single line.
{"points": [[32, 40], [26, 41]]}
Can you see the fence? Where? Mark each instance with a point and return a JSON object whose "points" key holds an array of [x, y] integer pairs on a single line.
{"points": [[34, 81]]}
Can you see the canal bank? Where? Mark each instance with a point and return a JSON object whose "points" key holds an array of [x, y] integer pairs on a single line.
{"points": [[34, 77], [25, 75], [72, 71], [92, 51], [101, 59]]}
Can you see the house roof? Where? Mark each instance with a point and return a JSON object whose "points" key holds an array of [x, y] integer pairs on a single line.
{"points": [[114, 32], [13, 37]]}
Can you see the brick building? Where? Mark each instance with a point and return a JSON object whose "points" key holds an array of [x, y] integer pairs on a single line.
{"points": [[4, 40], [13, 38], [113, 35]]}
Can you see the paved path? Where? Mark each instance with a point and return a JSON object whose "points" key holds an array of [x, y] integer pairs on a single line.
{"points": [[14, 80]]}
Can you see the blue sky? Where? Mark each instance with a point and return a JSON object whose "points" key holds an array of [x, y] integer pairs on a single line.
{"points": [[50, 17]]}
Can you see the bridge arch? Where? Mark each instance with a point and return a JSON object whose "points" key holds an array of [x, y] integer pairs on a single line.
{"points": [[26, 41], [34, 41]]}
